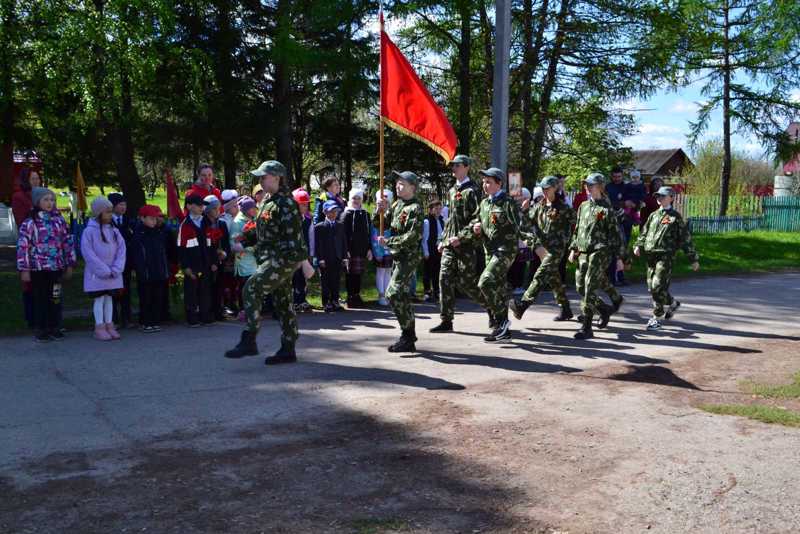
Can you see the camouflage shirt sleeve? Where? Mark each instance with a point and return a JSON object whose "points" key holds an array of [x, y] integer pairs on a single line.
{"points": [[686, 239]]}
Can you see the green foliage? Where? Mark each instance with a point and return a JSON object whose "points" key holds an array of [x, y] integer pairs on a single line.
{"points": [[786, 391], [765, 414]]}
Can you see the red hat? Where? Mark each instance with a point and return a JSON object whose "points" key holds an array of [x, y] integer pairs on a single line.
{"points": [[149, 210], [301, 196]]}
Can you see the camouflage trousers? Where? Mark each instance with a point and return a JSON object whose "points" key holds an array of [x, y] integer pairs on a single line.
{"points": [[659, 275], [493, 285], [458, 270], [403, 270], [591, 276], [271, 277], [548, 271]]}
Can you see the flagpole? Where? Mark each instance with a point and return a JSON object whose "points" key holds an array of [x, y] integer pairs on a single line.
{"points": [[380, 116]]}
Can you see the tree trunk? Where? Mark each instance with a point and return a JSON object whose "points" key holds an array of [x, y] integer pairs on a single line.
{"points": [[282, 92], [530, 65], [547, 88], [348, 147], [725, 180], [465, 96], [224, 72], [486, 29], [7, 120], [124, 160]]}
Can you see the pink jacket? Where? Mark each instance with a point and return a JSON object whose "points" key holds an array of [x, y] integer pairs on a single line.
{"points": [[45, 244], [105, 259]]}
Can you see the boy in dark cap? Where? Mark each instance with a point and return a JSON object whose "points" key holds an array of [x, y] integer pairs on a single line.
{"points": [[196, 257], [123, 223], [330, 250]]}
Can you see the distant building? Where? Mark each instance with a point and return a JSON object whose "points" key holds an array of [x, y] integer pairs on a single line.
{"points": [[661, 163]]}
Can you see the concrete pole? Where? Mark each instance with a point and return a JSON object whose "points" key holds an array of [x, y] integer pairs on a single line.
{"points": [[502, 52]]}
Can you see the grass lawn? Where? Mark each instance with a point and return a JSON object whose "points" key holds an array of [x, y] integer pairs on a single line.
{"points": [[733, 253], [765, 414], [159, 199]]}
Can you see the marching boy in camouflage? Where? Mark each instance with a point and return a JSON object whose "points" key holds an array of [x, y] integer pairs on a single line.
{"points": [[663, 234], [277, 234], [405, 219], [497, 226], [458, 266], [550, 223], [596, 239]]}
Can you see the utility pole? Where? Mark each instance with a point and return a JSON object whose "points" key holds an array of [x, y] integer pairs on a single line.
{"points": [[502, 49]]}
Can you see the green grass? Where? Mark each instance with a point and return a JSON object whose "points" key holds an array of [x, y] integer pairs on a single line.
{"points": [[159, 199], [379, 526], [787, 391], [765, 414]]}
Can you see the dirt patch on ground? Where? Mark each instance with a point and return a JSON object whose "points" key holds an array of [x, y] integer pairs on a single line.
{"points": [[620, 448]]}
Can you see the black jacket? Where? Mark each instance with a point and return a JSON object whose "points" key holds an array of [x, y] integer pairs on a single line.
{"points": [[147, 253], [358, 231], [330, 244], [195, 249]]}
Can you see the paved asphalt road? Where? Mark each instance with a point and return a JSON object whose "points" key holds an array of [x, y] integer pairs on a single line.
{"points": [[84, 395]]}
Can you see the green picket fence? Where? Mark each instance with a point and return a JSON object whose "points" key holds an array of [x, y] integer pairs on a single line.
{"points": [[780, 214]]}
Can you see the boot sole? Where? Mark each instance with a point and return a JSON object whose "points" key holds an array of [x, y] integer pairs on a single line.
{"points": [[238, 356]]}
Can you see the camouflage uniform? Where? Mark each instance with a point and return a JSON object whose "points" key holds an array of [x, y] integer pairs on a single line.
{"points": [[404, 219], [500, 218], [279, 246], [662, 236], [549, 226], [597, 238], [458, 267]]}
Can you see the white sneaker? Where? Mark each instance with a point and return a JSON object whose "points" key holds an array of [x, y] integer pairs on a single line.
{"points": [[654, 323], [383, 302]]}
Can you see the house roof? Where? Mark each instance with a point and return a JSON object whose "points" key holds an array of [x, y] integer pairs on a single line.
{"points": [[651, 161]]}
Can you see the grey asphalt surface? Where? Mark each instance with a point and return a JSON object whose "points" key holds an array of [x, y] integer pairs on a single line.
{"points": [[84, 395]]}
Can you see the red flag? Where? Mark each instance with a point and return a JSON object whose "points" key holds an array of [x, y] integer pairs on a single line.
{"points": [[174, 210], [407, 106]]}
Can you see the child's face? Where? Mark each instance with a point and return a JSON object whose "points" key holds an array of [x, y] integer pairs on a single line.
{"points": [[105, 216], [149, 221], [252, 212], [303, 207], [331, 215], [47, 203], [490, 185], [356, 202], [405, 190], [121, 208], [196, 209], [233, 211], [212, 212], [665, 201], [595, 191], [259, 196]]}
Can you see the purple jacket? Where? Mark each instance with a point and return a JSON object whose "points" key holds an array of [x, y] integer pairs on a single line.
{"points": [[105, 260], [45, 244]]}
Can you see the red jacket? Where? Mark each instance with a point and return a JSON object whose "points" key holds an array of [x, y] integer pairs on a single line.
{"points": [[21, 206], [203, 192]]}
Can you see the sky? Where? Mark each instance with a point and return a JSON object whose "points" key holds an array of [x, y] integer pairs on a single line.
{"points": [[664, 121]]}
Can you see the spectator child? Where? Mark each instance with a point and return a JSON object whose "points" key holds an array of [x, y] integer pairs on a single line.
{"points": [[299, 282], [121, 221], [381, 255], [148, 253], [219, 238], [21, 206], [45, 254], [357, 229], [197, 258], [103, 248], [244, 265], [330, 191], [330, 251], [432, 228]]}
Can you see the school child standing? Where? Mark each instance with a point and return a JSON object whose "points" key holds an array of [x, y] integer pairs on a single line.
{"points": [[45, 255], [103, 248], [357, 229]]}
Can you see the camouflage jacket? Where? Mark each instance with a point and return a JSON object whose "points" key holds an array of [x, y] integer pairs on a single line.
{"points": [[500, 220], [279, 230], [405, 220], [598, 229], [463, 203], [549, 226], [665, 232]]}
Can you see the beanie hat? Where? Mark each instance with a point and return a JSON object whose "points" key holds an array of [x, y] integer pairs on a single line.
{"points": [[229, 194], [148, 210], [116, 198], [245, 203], [387, 193], [99, 205], [356, 193], [38, 193], [211, 202]]}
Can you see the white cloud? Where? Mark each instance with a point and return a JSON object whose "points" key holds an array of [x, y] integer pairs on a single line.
{"points": [[683, 106], [654, 129], [644, 142], [795, 96]]}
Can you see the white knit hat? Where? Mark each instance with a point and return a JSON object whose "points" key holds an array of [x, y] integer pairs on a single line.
{"points": [[99, 205], [386, 193]]}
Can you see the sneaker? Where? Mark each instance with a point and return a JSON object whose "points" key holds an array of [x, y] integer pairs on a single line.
{"points": [[500, 333], [148, 329], [672, 309], [44, 337], [654, 323], [382, 301], [337, 306], [57, 335], [156, 328], [330, 308], [193, 325]]}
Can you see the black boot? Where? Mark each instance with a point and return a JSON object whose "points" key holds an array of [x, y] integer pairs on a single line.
{"points": [[405, 343], [605, 312], [566, 313], [444, 326], [518, 307], [586, 328], [246, 347], [285, 354], [492, 321]]}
